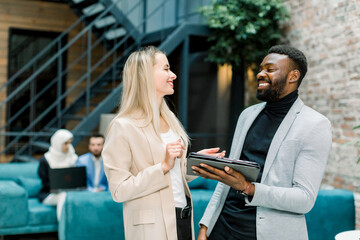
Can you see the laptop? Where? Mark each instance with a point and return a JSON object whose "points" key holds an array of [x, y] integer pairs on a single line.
{"points": [[67, 179]]}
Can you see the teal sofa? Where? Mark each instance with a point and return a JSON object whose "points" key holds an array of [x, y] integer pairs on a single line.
{"points": [[94, 216], [20, 210], [91, 215], [333, 212], [101, 217]]}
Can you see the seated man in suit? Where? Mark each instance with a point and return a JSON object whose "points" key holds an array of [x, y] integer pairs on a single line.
{"points": [[96, 179]]}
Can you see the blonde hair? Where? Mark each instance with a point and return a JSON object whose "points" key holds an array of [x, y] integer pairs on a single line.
{"points": [[139, 92]]}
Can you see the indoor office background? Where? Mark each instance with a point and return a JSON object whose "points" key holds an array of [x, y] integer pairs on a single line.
{"points": [[60, 67]]}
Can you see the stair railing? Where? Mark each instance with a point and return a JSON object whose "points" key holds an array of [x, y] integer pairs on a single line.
{"points": [[61, 73], [90, 69], [57, 56]]}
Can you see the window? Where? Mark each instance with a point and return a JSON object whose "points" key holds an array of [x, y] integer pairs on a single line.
{"points": [[30, 102]]}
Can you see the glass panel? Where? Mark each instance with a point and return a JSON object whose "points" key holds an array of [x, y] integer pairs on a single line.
{"points": [[24, 45]]}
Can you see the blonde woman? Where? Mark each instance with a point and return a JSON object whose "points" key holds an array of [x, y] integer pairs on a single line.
{"points": [[144, 153]]}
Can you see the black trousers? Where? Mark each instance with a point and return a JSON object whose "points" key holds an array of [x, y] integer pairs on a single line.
{"points": [[222, 232], [183, 226]]}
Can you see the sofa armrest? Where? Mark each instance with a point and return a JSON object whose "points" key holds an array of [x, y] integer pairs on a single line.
{"points": [[13, 205], [333, 212], [95, 215]]}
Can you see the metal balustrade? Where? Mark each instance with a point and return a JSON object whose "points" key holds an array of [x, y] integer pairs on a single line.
{"points": [[85, 87]]}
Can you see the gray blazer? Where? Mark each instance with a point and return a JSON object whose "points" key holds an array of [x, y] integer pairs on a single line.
{"points": [[292, 174]]}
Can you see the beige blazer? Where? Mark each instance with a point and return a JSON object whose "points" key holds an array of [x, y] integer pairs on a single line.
{"points": [[132, 158]]}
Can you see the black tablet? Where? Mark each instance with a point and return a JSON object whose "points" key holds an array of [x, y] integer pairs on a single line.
{"points": [[249, 169]]}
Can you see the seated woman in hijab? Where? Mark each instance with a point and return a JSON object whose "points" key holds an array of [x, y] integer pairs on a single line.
{"points": [[61, 154]]}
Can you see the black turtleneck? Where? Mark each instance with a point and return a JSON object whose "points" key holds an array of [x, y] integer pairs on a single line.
{"points": [[235, 217]]}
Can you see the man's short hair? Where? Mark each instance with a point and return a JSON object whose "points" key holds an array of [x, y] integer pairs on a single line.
{"points": [[97, 135], [298, 58]]}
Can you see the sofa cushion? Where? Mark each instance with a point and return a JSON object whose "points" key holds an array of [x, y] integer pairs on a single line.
{"points": [[40, 214], [31, 185], [11, 171], [13, 205]]}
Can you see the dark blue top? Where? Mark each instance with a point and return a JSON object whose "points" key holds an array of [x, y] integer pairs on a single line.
{"points": [[240, 220]]}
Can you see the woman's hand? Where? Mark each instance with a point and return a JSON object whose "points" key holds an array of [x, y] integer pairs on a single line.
{"points": [[202, 233], [173, 150], [213, 152]]}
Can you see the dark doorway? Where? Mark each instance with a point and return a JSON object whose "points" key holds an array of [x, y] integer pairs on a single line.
{"points": [[33, 100]]}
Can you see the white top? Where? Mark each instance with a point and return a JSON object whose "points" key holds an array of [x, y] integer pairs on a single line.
{"points": [[175, 173], [97, 166]]}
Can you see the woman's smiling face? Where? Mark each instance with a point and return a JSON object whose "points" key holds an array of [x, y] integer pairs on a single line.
{"points": [[164, 78]]}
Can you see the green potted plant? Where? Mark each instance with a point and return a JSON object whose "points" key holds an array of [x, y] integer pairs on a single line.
{"points": [[242, 32]]}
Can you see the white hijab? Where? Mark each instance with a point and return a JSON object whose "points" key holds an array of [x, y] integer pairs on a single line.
{"points": [[55, 156]]}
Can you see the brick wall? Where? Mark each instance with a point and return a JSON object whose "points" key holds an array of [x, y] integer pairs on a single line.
{"points": [[357, 205], [328, 31]]}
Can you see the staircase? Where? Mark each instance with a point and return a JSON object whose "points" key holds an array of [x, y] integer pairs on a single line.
{"points": [[107, 27]]}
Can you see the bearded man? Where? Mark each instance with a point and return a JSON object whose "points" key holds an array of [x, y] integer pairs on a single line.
{"points": [[95, 175], [290, 141]]}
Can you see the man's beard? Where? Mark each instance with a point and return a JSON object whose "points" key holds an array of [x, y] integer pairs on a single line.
{"points": [[273, 93]]}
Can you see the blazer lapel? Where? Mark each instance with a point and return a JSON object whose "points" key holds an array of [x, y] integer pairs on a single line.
{"points": [[158, 153], [154, 143], [280, 135], [241, 132]]}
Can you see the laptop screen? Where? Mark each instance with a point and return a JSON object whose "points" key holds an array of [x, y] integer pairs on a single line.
{"points": [[63, 179]]}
